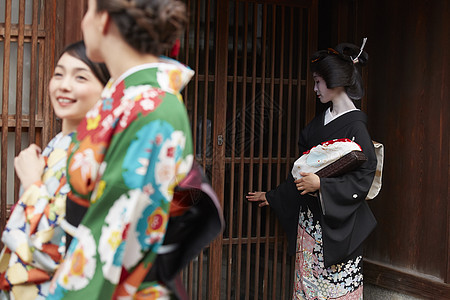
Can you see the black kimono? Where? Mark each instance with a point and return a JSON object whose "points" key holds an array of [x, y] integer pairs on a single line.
{"points": [[327, 232]]}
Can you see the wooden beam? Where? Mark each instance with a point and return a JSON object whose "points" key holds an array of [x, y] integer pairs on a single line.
{"points": [[405, 281]]}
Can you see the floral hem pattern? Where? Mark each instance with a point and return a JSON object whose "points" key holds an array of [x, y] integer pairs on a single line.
{"points": [[315, 281]]}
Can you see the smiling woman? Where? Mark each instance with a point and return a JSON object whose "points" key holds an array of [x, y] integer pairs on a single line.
{"points": [[74, 89], [34, 237]]}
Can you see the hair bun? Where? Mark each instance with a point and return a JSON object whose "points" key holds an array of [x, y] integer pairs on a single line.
{"points": [[338, 67], [148, 26]]}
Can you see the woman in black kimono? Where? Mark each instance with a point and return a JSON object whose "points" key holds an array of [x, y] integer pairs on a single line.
{"points": [[326, 231]]}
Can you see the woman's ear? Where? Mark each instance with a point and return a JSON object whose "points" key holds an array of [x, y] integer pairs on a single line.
{"points": [[105, 21]]}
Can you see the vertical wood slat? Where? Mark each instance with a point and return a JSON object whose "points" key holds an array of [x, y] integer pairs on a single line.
{"points": [[202, 146], [205, 131], [49, 54], [220, 106], [58, 36], [252, 140], [250, 256], [186, 58], [19, 86], [251, 154], [261, 150], [232, 143], [288, 130], [5, 99], [200, 276], [280, 95], [196, 78], [289, 94], [190, 281], [206, 84], [43, 11], [33, 65], [310, 107], [195, 100], [270, 154], [54, 12], [445, 155], [41, 92], [242, 150], [298, 124]]}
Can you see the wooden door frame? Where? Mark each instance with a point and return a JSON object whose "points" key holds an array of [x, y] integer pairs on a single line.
{"points": [[220, 107]]}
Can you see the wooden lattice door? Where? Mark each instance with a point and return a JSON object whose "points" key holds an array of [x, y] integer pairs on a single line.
{"points": [[29, 39], [248, 102]]}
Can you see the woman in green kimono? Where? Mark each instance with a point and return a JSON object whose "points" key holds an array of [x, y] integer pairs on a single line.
{"points": [[128, 155], [34, 237], [327, 219]]}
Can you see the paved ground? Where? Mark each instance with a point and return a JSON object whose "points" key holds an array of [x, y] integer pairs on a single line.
{"points": [[376, 293]]}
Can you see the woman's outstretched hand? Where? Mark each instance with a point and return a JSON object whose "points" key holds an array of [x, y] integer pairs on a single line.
{"points": [[309, 183], [258, 196], [29, 165]]}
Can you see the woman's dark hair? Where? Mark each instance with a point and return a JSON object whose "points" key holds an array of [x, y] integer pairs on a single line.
{"points": [[339, 67], [149, 26], [78, 50]]}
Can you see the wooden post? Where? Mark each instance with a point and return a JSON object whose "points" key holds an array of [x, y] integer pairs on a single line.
{"points": [[218, 167]]}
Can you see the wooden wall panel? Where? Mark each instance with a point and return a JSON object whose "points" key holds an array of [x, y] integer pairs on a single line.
{"points": [[407, 105], [409, 113]]}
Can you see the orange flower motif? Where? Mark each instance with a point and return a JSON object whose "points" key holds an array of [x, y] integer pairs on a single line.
{"points": [[175, 81], [157, 221], [84, 164], [78, 262]]}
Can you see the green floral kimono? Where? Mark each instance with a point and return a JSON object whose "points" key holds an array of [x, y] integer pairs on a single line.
{"points": [[127, 156]]}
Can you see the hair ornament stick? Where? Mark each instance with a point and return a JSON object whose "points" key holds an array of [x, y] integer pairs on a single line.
{"points": [[355, 60]]}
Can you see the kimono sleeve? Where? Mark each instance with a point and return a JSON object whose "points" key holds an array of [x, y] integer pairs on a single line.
{"points": [[284, 200], [33, 238], [30, 231]]}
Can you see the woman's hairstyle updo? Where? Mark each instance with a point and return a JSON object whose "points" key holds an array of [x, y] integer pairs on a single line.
{"points": [[149, 26], [78, 50], [339, 68]]}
